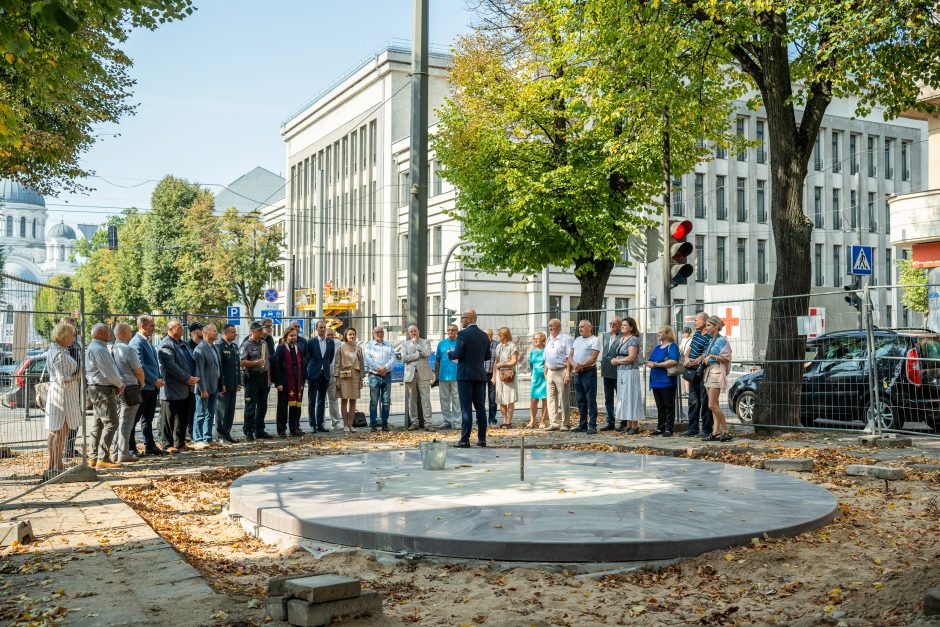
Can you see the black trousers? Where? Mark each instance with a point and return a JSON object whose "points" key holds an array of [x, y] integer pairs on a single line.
{"points": [[665, 408], [318, 389], [698, 407], [175, 415], [145, 414], [471, 398], [256, 403], [288, 418]]}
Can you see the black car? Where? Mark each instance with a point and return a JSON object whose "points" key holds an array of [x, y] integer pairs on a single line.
{"points": [[836, 380]]}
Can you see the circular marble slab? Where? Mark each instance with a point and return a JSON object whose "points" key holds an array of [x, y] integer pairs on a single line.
{"points": [[574, 506]]}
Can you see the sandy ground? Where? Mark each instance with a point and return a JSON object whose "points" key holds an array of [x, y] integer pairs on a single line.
{"points": [[871, 566]]}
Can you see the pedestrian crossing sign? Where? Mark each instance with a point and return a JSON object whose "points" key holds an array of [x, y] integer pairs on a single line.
{"points": [[861, 261]]}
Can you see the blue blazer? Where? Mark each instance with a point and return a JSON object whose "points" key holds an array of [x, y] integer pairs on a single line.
{"points": [[148, 360], [176, 366], [472, 349], [317, 363]]}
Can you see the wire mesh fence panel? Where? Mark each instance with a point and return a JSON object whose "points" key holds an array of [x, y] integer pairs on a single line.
{"points": [[41, 434]]}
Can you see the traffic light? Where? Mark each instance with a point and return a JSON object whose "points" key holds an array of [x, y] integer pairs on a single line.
{"points": [[852, 298], [452, 318], [679, 251], [112, 237]]}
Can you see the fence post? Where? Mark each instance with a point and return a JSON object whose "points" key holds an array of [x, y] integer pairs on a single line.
{"points": [[873, 398], [81, 372]]}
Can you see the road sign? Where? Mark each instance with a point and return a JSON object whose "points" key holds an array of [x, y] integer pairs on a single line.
{"points": [[273, 314], [270, 294], [299, 321], [861, 260], [234, 313]]}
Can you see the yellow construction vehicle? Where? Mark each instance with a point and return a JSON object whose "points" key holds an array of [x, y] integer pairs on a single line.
{"points": [[337, 303]]}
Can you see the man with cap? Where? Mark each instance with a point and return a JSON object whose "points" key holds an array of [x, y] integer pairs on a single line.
{"points": [[255, 360], [267, 334], [230, 383]]}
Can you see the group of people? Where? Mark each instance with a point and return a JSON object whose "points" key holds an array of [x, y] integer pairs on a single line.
{"points": [[197, 381]]}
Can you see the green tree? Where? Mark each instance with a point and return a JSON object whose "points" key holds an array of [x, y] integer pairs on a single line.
{"points": [[915, 292], [51, 304], [62, 73], [204, 285], [250, 252], [112, 278], [556, 146], [163, 233], [799, 55]]}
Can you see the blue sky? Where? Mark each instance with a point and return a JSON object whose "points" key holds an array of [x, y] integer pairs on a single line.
{"points": [[213, 90]]}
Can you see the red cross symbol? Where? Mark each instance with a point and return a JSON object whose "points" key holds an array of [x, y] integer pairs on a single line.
{"points": [[730, 321]]}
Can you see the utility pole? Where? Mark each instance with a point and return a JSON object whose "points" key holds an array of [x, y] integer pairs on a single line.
{"points": [[667, 213], [321, 251], [418, 206]]}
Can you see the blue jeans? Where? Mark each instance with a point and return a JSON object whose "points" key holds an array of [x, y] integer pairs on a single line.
{"points": [[205, 413], [472, 396], [380, 388], [585, 390]]}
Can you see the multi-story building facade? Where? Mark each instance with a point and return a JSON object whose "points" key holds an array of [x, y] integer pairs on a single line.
{"points": [[356, 133]]}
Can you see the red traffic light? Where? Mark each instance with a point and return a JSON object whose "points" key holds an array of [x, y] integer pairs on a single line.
{"points": [[679, 230]]}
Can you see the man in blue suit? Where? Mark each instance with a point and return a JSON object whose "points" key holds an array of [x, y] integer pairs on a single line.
{"points": [[320, 351], [147, 355], [472, 349]]}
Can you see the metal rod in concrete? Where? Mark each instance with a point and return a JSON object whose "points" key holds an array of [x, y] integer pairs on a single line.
{"points": [[522, 460]]}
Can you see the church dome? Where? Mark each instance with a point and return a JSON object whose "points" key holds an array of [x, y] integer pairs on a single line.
{"points": [[13, 192], [19, 268], [61, 231]]}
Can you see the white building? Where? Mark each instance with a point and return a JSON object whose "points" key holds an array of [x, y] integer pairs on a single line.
{"points": [[358, 132]]}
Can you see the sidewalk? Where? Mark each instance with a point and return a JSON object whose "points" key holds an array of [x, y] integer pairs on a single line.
{"points": [[94, 561]]}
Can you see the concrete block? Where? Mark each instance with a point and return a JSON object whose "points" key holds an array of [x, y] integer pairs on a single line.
{"points": [[82, 473], [877, 472], [886, 441], [323, 588], [927, 467], [932, 602], [304, 614], [276, 608], [15, 531], [276, 584], [795, 464]]}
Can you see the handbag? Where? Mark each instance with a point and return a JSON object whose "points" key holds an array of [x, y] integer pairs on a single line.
{"points": [[132, 395], [345, 374], [42, 389], [675, 371], [507, 375]]}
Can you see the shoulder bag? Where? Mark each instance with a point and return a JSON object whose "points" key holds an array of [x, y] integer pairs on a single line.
{"points": [[507, 375]]}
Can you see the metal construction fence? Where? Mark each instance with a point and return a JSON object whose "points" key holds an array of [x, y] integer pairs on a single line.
{"points": [[841, 359]]}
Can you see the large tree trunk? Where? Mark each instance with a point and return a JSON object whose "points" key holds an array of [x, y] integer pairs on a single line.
{"points": [[593, 286], [791, 144]]}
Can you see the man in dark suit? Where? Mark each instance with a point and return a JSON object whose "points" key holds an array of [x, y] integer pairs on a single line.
{"points": [[472, 349], [178, 369], [320, 351]]}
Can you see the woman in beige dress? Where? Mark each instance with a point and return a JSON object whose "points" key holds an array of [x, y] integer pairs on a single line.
{"points": [[349, 367], [504, 362], [63, 408]]}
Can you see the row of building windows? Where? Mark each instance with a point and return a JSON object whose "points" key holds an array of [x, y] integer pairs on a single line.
{"points": [[434, 176], [34, 227]]}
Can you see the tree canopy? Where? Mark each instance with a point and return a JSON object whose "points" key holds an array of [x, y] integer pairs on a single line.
{"points": [[62, 72], [250, 253]]}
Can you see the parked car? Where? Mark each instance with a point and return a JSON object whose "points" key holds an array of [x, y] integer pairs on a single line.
{"points": [[836, 389], [28, 373], [7, 374]]}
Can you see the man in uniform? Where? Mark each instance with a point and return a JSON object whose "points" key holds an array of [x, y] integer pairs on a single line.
{"points": [[255, 360], [229, 383]]}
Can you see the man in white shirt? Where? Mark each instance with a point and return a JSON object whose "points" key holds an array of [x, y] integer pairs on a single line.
{"points": [[583, 362], [557, 376], [379, 356]]}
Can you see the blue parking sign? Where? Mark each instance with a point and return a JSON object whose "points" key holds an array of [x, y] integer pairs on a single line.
{"points": [[273, 314], [234, 313]]}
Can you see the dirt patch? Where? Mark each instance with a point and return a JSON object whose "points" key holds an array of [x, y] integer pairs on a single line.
{"points": [[870, 566]]}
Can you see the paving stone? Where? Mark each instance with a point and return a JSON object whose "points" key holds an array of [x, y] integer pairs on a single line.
{"points": [[276, 584], [878, 472], [304, 614], [795, 464], [886, 441], [932, 602], [276, 608], [82, 473], [323, 588], [927, 467], [15, 531]]}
